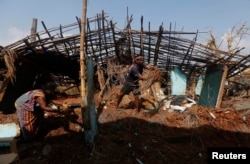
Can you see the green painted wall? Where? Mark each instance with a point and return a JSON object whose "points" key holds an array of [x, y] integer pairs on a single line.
{"points": [[211, 86]]}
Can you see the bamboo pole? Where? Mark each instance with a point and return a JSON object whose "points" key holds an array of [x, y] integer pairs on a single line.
{"points": [[88, 104], [84, 106], [83, 55]]}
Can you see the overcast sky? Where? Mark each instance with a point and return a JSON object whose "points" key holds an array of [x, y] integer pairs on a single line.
{"points": [[218, 16]]}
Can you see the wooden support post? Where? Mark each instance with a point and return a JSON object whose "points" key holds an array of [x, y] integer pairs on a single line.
{"points": [[221, 90], [149, 43], [115, 42], [33, 30], [90, 113], [85, 111], [104, 33], [91, 42], [99, 34], [157, 46], [141, 38]]}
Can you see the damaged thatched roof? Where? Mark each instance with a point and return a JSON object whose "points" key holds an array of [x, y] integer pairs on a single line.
{"points": [[164, 48]]}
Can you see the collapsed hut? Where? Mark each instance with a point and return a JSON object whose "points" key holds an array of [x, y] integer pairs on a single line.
{"points": [[55, 52]]}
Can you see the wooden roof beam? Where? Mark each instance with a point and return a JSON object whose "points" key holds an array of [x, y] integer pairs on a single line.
{"points": [[45, 28]]}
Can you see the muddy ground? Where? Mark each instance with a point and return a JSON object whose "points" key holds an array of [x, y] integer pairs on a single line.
{"points": [[126, 137]]}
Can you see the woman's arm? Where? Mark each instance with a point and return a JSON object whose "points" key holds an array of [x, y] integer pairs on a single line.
{"points": [[141, 77], [43, 105]]}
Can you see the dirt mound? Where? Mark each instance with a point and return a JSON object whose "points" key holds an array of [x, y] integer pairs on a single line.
{"points": [[126, 137]]}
